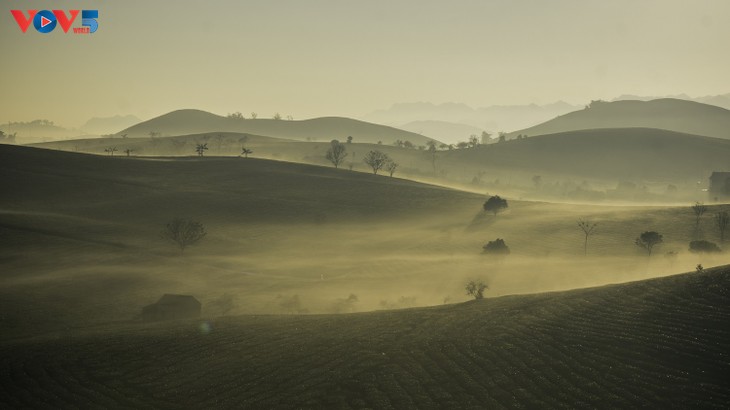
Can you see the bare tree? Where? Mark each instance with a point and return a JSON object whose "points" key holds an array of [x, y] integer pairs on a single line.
{"points": [[476, 289], [722, 219], [588, 229], [391, 166], [473, 141], [699, 209], [336, 153], [201, 148], [254, 115], [184, 232], [648, 240], [128, 151], [111, 150], [376, 160]]}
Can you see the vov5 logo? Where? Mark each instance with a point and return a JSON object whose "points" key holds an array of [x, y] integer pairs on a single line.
{"points": [[45, 21]]}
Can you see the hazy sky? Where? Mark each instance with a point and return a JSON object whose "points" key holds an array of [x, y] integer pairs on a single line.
{"points": [[340, 57]]}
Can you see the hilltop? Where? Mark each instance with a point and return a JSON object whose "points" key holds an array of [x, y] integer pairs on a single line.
{"points": [[668, 114], [184, 122], [656, 343]]}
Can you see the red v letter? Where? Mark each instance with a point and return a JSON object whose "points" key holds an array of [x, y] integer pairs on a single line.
{"points": [[63, 21], [22, 21]]}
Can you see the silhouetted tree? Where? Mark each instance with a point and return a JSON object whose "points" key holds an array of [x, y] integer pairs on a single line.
{"points": [[722, 219], [703, 247], [154, 134], [111, 150], [432, 150], [376, 160], [245, 152], [648, 240], [391, 166], [336, 153], [201, 148], [537, 181], [476, 289], [128, 151], [588, 228], [236, 116], [495, 204], [496, 247], [254, 115], [349, 139], [277, 116], [183, 232], [699, 209], [473, 141]]}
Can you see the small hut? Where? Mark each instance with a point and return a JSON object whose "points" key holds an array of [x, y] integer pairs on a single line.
{"points": [[171, 307]]}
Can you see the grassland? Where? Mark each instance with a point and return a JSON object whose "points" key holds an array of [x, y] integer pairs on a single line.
{"points": [[81, 253], [659, 343]]}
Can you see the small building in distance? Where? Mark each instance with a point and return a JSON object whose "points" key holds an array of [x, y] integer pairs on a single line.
{"points": [[171, 307], [719, 185]]}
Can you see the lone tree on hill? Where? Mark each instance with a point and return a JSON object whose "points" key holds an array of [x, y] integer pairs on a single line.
{"points": [[588, 228], [704, 247], [201, 148], [336, 153], [376, 160], [184, 232], [722, 219], [245, 152], [391, 166], [648, 240], [476, 289], [496, 247], [495, 204], [699, 209]]}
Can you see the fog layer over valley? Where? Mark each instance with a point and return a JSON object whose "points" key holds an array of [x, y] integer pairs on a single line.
{"points": [[82, 240]]}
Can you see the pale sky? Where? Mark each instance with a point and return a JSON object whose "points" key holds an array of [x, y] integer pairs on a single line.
{"points": [[309, 58]]}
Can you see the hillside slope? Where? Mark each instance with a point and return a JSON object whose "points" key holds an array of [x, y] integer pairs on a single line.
{"points": [[613, 153], [184, 122], [668, 114], [659, 343]]}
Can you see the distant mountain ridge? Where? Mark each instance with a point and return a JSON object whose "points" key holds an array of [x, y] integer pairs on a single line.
{"points": [[109, 125], [668, 114], [492, 118], [189, 121]]}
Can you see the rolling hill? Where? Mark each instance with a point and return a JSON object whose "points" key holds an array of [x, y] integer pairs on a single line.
{"points": [[634, 154], [668, 114], [183, 122], [658, 343]]}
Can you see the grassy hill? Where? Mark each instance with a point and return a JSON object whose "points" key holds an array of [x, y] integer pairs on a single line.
{"points": [[602, 158], [635, 154], [668, 114], [659, 343], [80, 239], [183, 122]]}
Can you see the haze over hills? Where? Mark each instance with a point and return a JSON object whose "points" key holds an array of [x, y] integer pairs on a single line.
{"points": [[183, 122], [109, 125], [492, 118], [602, 157], [668, 114], [449, 132]]}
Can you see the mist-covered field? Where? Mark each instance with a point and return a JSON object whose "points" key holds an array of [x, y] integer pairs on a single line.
{"points": [[294, 252]]}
